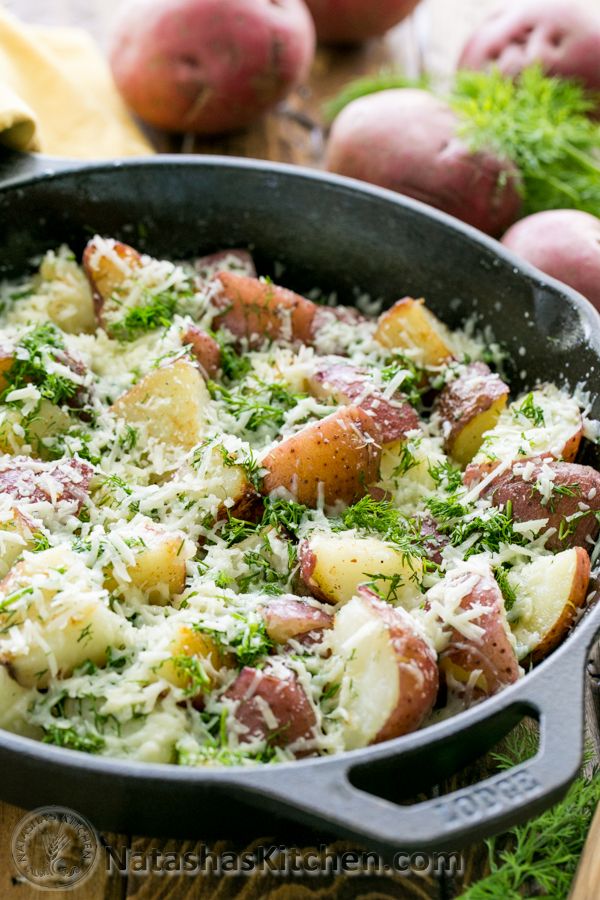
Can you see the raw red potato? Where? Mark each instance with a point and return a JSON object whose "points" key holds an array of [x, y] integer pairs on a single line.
{"points": [[563, 37], [572, 502], [482, 665], [237, 261], [209, 66], [270, 707], [332, 461], [563, 243], [27, 479], [391, 672], [406, 140], [468, 407], [354, 21], [289, 617], [105, 275], [205, 350], [550, 593], [345, 383]]}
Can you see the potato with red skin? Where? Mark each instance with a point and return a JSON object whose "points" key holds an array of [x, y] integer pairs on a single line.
{"points": [[346, 383], [390, 681], [573, 486], [52, 482], [335, 460], [476, 666], [406, 140], [469, 406], [563, 243], [354, 21], [209, 66], [286, 701], [562, 37], [107, 277], [237, 261], [288, 617], [204, 348]]}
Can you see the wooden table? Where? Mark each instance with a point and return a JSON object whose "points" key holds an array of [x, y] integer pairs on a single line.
{"points": [[431, 40]]}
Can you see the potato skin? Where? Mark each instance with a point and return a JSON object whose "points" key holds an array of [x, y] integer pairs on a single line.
{"points": [[104, 276], [405, 140], [336, 458], [527, 503], [286, 699], [563, 243], [291, 617], [468, 407], [209, 66], [493, 654], [205, 350], [354, 21], [563, 37], [33, 481], [346, 383]]}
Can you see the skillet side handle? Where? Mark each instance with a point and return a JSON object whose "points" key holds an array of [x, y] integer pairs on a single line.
{"points": [[327, 797], [16, 166]]}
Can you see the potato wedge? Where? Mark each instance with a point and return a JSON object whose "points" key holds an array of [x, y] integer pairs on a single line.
{"points": [[32, 481], [155, 562], [345, 383], [205, 350], [409, 325], [333, 461], [270, 705], [191, 644], [566, 494], [58, 617], [390, 678], [550, 592], [167, 406], [544, 422], [109, 266], [468, 407], [333, 566], [480, 658], [260, 311], [290, 617]]}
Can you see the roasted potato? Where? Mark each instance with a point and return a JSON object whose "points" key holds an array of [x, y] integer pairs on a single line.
{"points": [[60, 615], [270, 705], [167, 406], [32, 481], [550, 592], [290, 617], [345, 383], [544, 422], [332, 461], [205, 350], [480, 659], [468, 407], [409, 325], [390, 678], [567, 495], [110, 266], [333, 566]]}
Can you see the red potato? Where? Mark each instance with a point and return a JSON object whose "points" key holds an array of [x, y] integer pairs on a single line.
{"points": [[484, 664], [35, 482], [468, 407], [269, 706], [107, 267], [563, 243], [333, 461], [209, 66], [291, 617], [205, 350], [238, 261], [563, 37], [406, 140], [354, 21], [573, 498], [390, 672], [409, 324], [345, 383]]}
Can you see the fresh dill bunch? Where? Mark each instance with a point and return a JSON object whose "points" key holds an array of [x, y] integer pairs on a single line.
{"points": [[541, 856], [541, 124], [384, 80]]}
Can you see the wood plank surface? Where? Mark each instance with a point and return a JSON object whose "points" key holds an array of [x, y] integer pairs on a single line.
{"points": [[294, 133]]}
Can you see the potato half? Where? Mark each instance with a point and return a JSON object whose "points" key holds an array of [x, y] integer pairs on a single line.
{"points": [[409, 325]]}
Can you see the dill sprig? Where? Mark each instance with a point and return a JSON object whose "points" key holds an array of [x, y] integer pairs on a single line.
{"points": [[158, 312], [256, 402], [37, 347], [380, 517]]}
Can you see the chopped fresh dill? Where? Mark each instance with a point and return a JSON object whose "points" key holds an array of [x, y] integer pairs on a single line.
{"points": [[530, 411]]}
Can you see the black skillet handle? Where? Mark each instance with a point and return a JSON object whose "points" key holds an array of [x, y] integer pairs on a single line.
{"points": [[15, 166], [325, 795]]}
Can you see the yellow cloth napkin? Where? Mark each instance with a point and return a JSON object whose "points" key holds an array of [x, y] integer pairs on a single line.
{"points": [[57, 95]]}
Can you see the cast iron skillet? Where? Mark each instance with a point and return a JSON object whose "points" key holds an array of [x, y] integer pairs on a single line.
{"points": [[340, 235]]}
